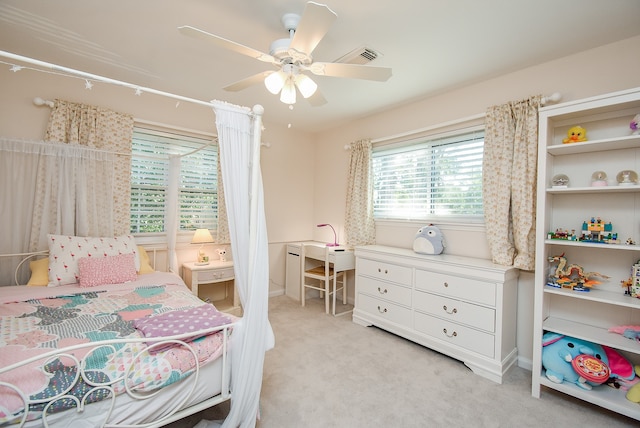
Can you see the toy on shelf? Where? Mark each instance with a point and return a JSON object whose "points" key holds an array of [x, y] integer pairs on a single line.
{"points": [[633, 394], [598, 232], [571, 276], [627, 177], [576, 134], [635, 125], [558, 355], [599, 179], [563, 235], [629, 331], [633, 283], [560, 181]]}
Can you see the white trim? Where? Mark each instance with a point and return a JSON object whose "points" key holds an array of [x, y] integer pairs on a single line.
{"points": [[443, 224]]}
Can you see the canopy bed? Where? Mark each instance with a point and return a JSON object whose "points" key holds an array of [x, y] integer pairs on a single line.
{"points": [[113, 364]]}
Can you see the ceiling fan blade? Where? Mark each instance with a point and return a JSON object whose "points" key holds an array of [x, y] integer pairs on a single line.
{"points": [[249, 81], [317, 99], [354, 71], [226, 44], [314, 24]]}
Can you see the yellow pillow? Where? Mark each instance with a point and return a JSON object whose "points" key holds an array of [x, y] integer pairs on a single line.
{"points": [[39, 272], [145, 266]]}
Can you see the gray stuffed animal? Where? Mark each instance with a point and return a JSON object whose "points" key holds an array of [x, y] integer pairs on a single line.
{"points": [[429, 240]]}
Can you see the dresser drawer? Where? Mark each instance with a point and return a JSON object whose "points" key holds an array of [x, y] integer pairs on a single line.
{"points": [[456, 310], [456, 334], [384, 290], [385, 271], [385, 310], [455, 286], [214, 275]]}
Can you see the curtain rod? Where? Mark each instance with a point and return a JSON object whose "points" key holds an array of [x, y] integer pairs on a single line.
{"points": [[98, 78], [42, 102], [553, 98]]}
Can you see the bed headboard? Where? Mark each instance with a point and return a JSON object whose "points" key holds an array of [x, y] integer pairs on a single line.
{"points": [[158, 259]]}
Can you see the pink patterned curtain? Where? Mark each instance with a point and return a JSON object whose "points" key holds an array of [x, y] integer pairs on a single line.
{"points": [[97, 128], [509, 174], [360, 227]]}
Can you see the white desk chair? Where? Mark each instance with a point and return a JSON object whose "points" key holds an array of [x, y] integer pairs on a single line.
{"points": [[321, 276]]}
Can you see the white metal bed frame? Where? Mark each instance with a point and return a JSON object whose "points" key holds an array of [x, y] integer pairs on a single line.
{"points": [[177, 412]]}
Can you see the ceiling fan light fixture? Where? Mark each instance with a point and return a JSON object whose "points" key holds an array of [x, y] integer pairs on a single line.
{"points": [[306, 85], [275, 82], [288, 94]]}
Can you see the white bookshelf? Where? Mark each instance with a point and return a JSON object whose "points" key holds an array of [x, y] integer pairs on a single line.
{"points": [[588, 315]]}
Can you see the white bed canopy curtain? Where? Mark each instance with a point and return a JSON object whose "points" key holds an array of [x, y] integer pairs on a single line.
{"points": [[50, 188], [360, 227], [239, 133], [509, 171]]}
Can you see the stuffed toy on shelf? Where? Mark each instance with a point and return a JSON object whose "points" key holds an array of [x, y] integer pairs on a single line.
{"points": [[575, 135], [558, 355]]}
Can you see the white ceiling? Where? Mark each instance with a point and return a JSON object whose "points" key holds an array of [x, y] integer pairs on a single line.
{"points": [[432, 45]]}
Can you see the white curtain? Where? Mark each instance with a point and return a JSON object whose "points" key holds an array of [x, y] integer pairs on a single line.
{"points": [[509, 172], [104, 129], [239, 141], [67, 184], [360, 226], [222, 229], [172, 224]]}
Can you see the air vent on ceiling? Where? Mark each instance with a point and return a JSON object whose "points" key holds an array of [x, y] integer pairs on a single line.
{"points": [[362, 55]]}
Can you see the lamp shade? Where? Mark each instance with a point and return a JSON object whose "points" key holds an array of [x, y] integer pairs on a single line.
{"points": [[306, 85], [202, 236], [275, 81], [288, 94]]}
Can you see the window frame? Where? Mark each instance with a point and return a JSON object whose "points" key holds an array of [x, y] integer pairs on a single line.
{"points": [[198, 140], [434, 134]]}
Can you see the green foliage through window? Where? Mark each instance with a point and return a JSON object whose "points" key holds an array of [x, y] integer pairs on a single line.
{"points": [[429, 179], [197, 187]]}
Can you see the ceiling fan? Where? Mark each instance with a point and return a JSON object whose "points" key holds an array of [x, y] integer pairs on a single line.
{"points": [[292, 57]]}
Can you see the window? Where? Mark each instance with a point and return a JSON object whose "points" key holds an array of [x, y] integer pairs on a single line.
{"points": [[197, 187], [430, 179]]}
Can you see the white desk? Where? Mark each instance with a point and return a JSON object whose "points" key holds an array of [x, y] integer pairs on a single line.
{"points": [[342, 260]]}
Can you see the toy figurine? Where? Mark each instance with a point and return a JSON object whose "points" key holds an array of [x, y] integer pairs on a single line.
{"points": [[572, 276], [635, 125], [576, 135], [598, 232]]}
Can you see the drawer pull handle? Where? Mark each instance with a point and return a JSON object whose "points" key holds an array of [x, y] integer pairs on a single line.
{"points": [[454, 334], [453, 311], [446, 284], [385, 271], [382, 291], [382, 311]]}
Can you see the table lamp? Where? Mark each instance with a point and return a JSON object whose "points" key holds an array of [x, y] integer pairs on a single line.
{"points": [[202, 236], [335, 237]]}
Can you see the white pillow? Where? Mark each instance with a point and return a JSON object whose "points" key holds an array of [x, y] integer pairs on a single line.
{"points": [[65, 251]]}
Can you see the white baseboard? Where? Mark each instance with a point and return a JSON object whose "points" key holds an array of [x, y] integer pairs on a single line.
{"points": [[525, 363]]}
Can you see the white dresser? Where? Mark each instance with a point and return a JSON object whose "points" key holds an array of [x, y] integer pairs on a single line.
{"points": [[460, 306]]}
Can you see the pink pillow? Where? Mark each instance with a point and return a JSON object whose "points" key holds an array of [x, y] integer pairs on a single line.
{"points": [[106, 270]]}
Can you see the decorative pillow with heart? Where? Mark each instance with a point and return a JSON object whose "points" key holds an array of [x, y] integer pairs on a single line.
{"points": [[65, 251]]}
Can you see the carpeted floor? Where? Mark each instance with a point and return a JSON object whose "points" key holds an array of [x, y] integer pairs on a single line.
{"points": [[329, 372]]}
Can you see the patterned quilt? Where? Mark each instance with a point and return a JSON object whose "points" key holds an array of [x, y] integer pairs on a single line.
{"points": [[37, 325]]}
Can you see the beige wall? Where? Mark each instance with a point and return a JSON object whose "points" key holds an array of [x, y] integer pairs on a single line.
{"points": [[304, 175], [598, 71]]}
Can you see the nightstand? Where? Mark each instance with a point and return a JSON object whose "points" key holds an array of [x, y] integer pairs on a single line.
{"points": [[215, 272]]}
